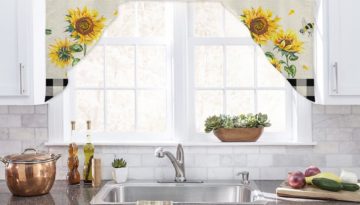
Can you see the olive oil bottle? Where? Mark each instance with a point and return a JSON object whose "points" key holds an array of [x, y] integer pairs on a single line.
{"points": [[89, 155], [73, 175]]}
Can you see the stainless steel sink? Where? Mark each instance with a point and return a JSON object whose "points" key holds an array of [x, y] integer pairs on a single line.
{"points": [[208, 192]]}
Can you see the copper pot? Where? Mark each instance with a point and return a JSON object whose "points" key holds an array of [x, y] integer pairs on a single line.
{"points": [[30, 173]]}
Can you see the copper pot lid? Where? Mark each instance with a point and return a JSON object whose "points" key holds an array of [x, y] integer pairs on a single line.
{"points": [[31, 155]]}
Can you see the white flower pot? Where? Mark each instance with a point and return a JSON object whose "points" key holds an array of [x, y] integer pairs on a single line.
{"points": [[120, 174]]}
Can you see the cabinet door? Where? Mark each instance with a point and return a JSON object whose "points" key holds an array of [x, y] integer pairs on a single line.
{"points": [[344, 42], [11, 67]]}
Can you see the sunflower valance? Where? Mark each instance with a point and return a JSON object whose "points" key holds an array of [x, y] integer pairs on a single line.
{"points": [[282, 28]]}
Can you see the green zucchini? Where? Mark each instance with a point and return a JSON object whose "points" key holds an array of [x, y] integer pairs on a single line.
{"points": [[327, 184], [349, 186]]}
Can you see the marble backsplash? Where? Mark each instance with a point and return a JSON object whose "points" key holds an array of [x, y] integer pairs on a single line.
{"points": [[336, 129]]}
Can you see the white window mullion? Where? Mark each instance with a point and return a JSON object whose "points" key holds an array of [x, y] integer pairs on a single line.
{"points": [[183, 117], [256, 109], [224, 77], [104, 84], [136, 87], [221, 41], [240, 88], [190, 88]]}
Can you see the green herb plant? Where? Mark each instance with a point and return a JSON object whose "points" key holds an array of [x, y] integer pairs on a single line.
{"points": [[240, 121], [119, 163]]}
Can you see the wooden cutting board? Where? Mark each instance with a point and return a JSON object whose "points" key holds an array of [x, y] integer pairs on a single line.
{"points": [[311, 192]]}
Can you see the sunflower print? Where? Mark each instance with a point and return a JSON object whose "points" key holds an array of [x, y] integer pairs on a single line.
{"points": [[276, 63], [288, 44], [60, 53], [85, 25], [261, 24], [288, 41]]}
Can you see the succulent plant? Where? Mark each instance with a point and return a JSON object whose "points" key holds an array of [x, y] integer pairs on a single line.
{"points": [[119, 163], [240, 121]]}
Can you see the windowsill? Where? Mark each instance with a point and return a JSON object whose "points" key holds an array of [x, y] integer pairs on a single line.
{"points": [[186, 144]]}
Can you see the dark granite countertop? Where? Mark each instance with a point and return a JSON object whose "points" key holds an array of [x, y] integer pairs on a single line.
{"points": [[62, 194]]}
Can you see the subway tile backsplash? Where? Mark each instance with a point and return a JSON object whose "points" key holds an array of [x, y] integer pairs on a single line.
{"points": [[336, 129]]}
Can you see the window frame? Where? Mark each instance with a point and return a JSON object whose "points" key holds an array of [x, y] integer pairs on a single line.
{"points": [[135, 41], [224, 41], [182, 96]]}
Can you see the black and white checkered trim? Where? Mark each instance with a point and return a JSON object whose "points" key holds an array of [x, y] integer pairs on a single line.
{"points": [[54, 87], [305, 87]]}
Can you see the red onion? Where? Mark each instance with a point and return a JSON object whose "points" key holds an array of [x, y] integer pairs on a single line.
{"points": [[311, 171], [296, 180]]}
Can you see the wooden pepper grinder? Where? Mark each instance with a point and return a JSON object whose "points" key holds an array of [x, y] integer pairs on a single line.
{"points": [[73, 175]]}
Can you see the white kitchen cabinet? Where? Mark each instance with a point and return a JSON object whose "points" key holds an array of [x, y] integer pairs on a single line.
{"points": [[337, 55], [11, 58], [22, 57], [338, 44], [344, 47]]}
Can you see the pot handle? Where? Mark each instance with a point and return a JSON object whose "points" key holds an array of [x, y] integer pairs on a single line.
{"points": [[30, 149], [5, 161], [56, 156]]}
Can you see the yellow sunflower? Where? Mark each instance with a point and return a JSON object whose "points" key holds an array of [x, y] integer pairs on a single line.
{"points": [[261, 24], [60, 53], [276, 63], [85, 25], [288, 41]]}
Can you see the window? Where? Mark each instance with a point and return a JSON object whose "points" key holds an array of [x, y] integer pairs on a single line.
{"points": [[161, 68], [231, 75], [128, 89]]}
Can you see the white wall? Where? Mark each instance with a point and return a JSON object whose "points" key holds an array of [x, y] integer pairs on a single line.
{"points": [[335, 128]]}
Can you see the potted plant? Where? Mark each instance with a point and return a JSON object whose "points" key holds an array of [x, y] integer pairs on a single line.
{"points": [[241, 128], [120, 171]]}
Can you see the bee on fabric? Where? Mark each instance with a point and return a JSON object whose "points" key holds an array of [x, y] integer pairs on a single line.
{"points": [[116, 12], [307, 28], [291, 12], [305, 67]]}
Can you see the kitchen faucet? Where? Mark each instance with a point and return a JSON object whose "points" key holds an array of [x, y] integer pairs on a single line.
{"points": [[178, 162], [244, 176]]}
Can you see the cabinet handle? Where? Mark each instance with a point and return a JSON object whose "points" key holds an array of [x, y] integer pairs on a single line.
{"points": [[22, 90], [336, 88]]}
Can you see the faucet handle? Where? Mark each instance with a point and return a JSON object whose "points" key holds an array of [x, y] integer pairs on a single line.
{"points": [[244, 176], [180, 153], [159, 152]]}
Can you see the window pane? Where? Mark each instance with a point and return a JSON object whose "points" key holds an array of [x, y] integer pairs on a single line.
{"points": [[90, 70], [208, 19], [120, 66], [151, 18], [151, 111], [234, 27], [151, 66], [120, 110], [240, 66], [267, 75], [207, 103], [273, 103], [124, 24], [90, 106], [239, 102], [209, 66]]}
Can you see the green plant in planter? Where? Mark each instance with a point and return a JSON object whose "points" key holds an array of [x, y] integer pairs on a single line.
{"points": [[240, 121], [119, 163]]}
